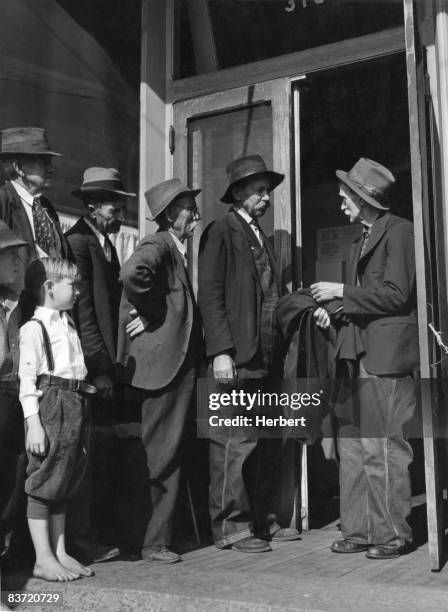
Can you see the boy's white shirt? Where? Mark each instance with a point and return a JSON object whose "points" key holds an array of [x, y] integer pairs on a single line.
{"points": [[67, 354]]}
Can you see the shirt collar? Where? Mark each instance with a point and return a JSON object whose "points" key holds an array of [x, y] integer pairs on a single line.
{"points": [[96, 231], [23, 193], [49, 315], [246, 216], [180, 246]]}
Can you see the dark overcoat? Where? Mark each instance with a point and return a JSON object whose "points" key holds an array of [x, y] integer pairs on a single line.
{"points": [[155, 283], [229, 291], [97, 307], [14, 215], [379, 297]]}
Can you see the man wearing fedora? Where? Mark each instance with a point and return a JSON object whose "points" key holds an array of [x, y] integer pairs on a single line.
{"points": [[96, 314], [104, 198], [159, 365], [377, 348], [27, 164], [239, 287]]}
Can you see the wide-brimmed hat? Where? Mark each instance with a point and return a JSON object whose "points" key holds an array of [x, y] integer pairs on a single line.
{"points": [[370, 180], [161, 195], [102, 179], [8, 239], [244, 167], [25, 141]]}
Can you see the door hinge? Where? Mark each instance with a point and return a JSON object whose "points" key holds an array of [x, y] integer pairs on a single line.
{"points": [[172, 139]]}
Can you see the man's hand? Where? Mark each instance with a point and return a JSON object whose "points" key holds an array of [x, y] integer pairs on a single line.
{"points": [[104, 385], [325, 292], [321, 318], [137, 325], [224, 369], [36, 438]]}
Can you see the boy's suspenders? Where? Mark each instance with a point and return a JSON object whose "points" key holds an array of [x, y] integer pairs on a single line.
{"points": [[74, 385], [47, 345]]}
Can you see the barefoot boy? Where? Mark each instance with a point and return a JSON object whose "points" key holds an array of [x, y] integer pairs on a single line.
{"points": [[53, 397]]}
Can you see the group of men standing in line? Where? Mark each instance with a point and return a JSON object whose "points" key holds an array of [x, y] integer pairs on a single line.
{"points": [[149, 337]]}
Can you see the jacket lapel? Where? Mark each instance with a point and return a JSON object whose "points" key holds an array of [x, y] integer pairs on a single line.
{"points": [[378, 230], [20, 222], [178, 264], [240, 242]]}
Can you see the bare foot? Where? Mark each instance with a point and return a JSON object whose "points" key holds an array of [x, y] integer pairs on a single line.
{"points": [[50, 569], [72, 565]]}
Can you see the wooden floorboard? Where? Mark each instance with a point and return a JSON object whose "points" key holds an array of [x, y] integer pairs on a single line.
{"points": [[311, 557]]}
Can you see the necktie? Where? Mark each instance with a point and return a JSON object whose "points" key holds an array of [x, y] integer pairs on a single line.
{"points": [[43, 229], [107, 248], [365, 239], [257, 231]]}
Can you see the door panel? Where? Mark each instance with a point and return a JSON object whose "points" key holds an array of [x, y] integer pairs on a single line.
{"points": [[213, 130]]}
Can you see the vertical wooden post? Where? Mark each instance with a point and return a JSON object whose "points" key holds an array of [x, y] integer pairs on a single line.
{"points": [[154, 112], [417, 126]]}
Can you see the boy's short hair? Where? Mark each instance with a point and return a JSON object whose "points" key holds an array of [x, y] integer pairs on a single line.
{"points": [[48, 268]]}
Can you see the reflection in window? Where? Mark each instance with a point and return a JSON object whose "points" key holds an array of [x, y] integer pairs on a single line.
{"points": [[249, 30]]}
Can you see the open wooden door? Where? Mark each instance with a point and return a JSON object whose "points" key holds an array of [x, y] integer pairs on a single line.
{"points": [[430, 273], [210, 131]]}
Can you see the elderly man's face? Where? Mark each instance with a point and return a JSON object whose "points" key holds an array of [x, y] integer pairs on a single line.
{"points": [[184, 216], [253, 196], [349, 206], [35, 173], [108, 215]]}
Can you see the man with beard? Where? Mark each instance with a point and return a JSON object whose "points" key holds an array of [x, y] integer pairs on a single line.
{"points": [[160, 364], [239, 287], [27, 163], [96, 315]]}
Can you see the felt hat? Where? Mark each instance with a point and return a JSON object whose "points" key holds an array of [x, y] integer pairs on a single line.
{"points": [[161, 195], [370, 180], [25, 141], [102, 179], [244, 167], [8, 239]]}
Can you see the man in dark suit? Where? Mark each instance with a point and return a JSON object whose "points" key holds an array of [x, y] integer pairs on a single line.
{"points": [[97, 308], [26, 158], [27, 164], [160, 364], [96, 315], [377, 347], [239, 287]]}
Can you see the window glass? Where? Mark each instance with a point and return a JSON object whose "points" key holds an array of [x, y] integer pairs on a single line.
{"points": [[249, 30]]}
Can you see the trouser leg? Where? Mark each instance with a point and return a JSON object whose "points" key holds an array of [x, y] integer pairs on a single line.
{"points": [[164, 414], [386, 404]]}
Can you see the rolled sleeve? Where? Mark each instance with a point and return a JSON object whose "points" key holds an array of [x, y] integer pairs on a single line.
{"points": [[31, 357]]}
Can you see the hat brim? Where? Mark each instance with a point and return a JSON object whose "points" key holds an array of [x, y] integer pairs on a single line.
{"points": [[191, 192], [343, 176], [13, 244], [7, 154], [78, 193], [275, 178]]}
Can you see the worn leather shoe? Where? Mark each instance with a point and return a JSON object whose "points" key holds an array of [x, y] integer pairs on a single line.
{"points": [[251, 545], [285, 534], [159, 554], [87, 552], [347, 546], [387, 552]]}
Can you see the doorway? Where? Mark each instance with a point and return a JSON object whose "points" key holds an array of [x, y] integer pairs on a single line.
{"points": [[359, 110], [342, 114]]}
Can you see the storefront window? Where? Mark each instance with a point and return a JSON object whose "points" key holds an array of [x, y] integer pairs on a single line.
{"points": [[244, 31]]}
